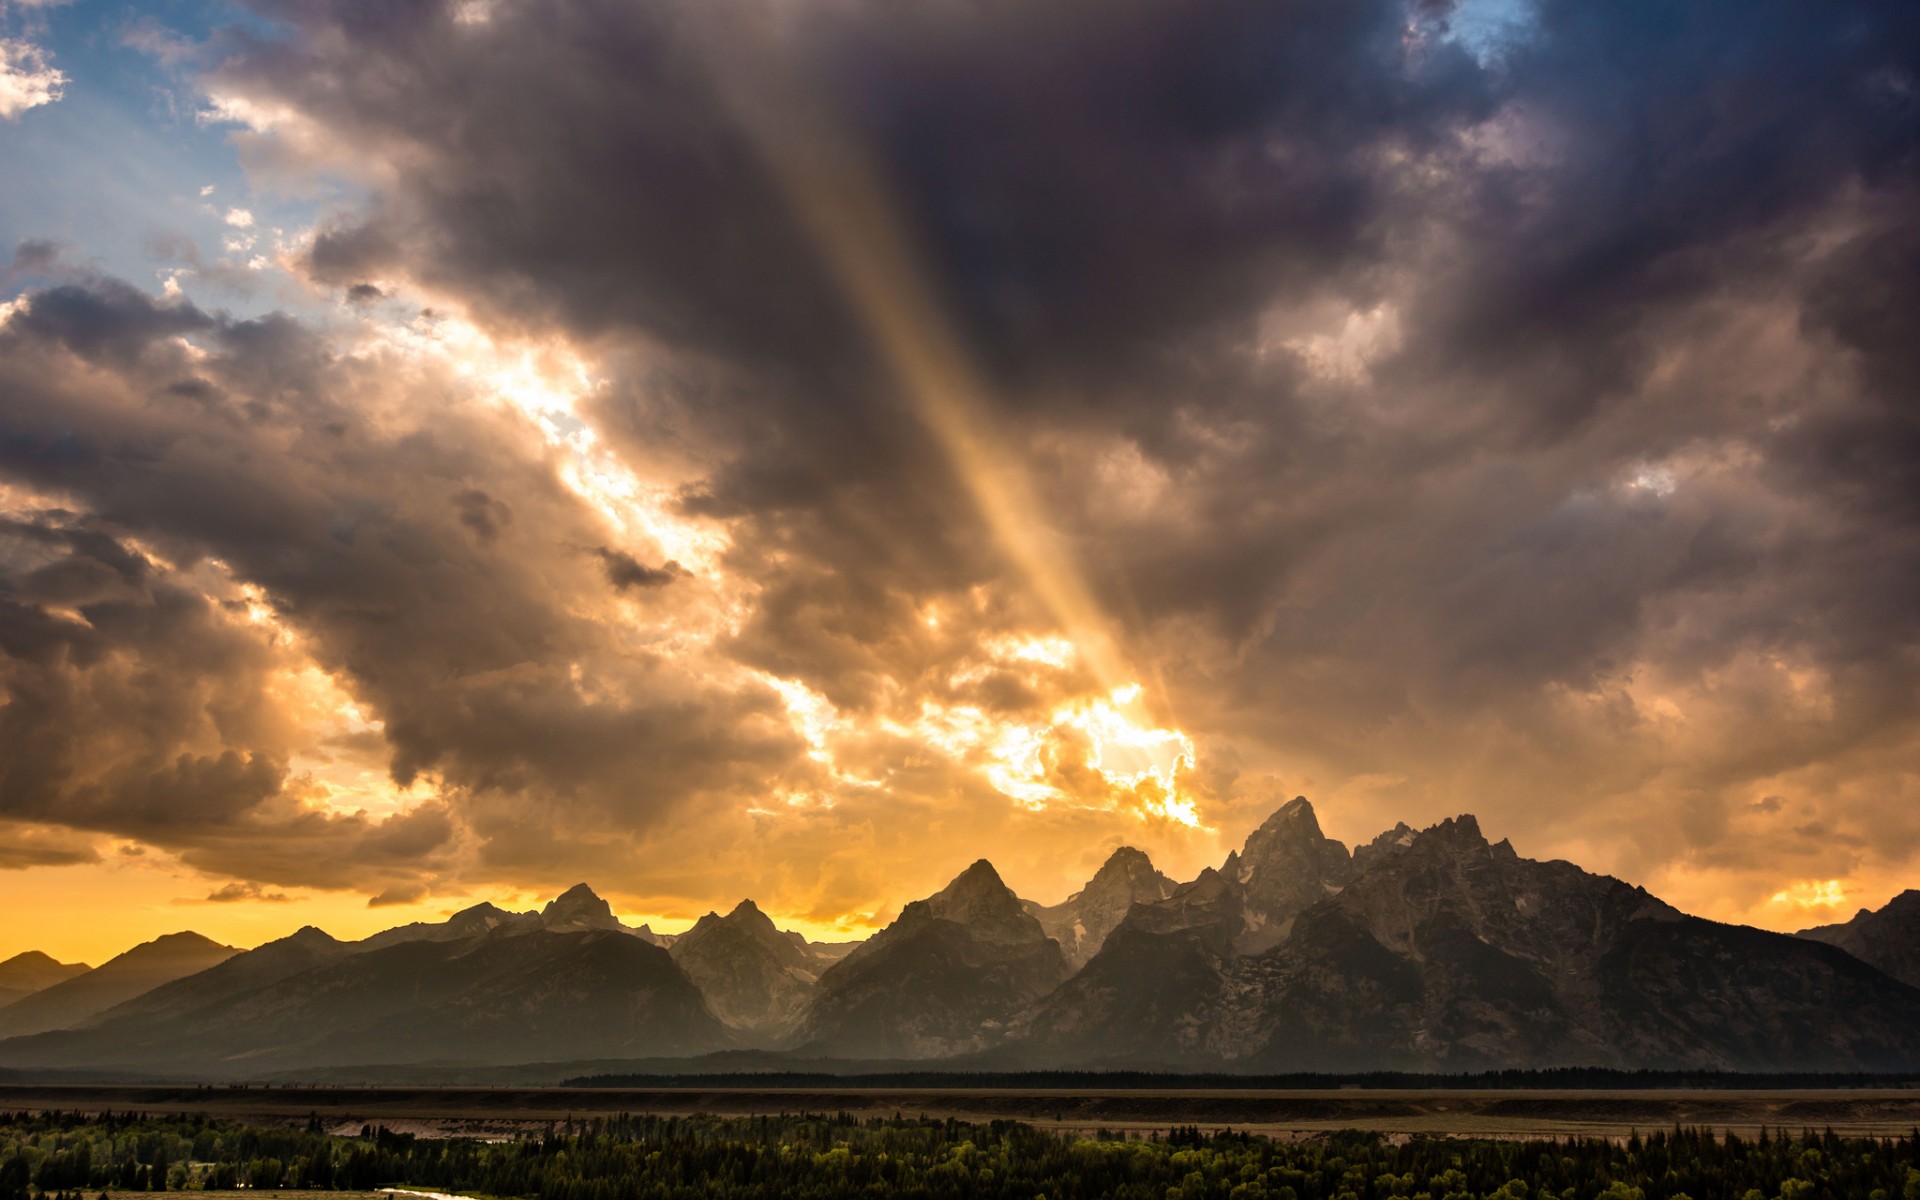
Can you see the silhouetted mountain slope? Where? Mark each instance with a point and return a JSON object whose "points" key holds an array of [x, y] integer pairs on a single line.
{"points": [[1888, 938], [30, 972], [245, 972], [1455, 954], [943, 978], [578, 909], [1386, 845], [502, 998], [1425, 951], [1286, 867], [755, 977], [473, 922], [120, 978], [1082, 921], [1154, 989]]}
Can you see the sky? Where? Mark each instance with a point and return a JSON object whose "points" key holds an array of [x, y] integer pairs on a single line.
{"points": [[789, 449]]}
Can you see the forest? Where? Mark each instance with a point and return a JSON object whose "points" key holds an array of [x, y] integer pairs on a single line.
{"points": [[72, 1156]]}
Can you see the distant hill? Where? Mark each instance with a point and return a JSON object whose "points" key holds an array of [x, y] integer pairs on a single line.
{"points": [[500, 998], [121, 978], [30, 972]]}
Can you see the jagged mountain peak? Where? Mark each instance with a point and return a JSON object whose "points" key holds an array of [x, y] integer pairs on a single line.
{"points": [[746, 923], [1126, 870], [1209, 898], [1463, 829], [1297, 809], [754, 976], [1125, 858], [1887, 937], [1385, 846], [311, 935], [1082, 921], [1206, 885], [1287, 865], [1907, 903], [747, 914], [480, 918], [1292, 825], [978, 896], [486, 908], [943, 978], [979, 876], [578, 908]]}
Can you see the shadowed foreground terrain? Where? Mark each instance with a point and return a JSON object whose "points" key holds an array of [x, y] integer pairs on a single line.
{"points": [[1463, 1112], [799, 1157]]}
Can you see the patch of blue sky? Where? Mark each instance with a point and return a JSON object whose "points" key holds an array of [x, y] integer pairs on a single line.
{"points": [[125, 172], [1488, 28]]}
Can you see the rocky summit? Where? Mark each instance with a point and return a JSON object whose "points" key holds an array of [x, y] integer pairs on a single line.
{"points": [[755, 977], [1888, 938], [1082, 921], [1433, 949], [946, 977]]}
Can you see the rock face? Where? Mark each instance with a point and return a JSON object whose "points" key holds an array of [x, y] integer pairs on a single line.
{"points": [[1082, 921], [755, 977], [30, 972], [580, 909], [1432, 950], [506, 997], [1450, 953], [1888, 938], [944, 978], [1286, 867], [1157, 990], [1388, 844], [121, 978]]}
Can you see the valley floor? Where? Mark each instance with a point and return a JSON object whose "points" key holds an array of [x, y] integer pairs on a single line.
{"points": [[503, 1112]]}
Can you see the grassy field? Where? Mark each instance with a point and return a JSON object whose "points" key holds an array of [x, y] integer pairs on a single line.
{"points": [[502, 1112]]}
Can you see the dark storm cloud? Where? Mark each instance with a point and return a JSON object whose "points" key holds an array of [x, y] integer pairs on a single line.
{"points": [[1424, 409], [236, 893], [406, 893], [1091, 202], [483, 514], [627, 573], [139, 702], [1141, 215], [24, 846]]}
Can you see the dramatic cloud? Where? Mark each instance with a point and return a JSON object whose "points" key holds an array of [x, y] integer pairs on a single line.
{"points": [[233, 893], [792, 449], [27, 80]]}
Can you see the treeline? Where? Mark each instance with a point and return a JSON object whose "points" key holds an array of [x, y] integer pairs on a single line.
{"points": [[818, 1156], [1564, 1078]]}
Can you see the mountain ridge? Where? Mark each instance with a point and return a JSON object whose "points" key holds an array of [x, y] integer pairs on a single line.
{"points": [[1423, 950]]}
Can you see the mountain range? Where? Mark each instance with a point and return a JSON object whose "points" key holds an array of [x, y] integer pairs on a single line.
{"points": [[1430, 950]]}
